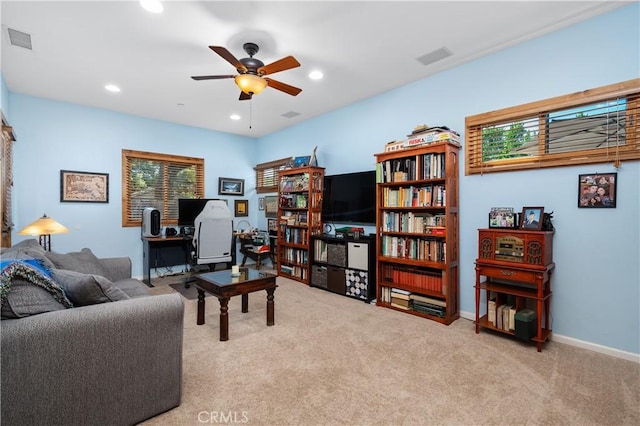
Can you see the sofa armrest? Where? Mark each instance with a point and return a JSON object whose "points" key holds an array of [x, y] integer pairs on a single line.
{"points": [[117, 268], [112, 363]]}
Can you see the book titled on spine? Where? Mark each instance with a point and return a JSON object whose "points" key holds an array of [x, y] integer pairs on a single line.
{"points": [[491, 311]]}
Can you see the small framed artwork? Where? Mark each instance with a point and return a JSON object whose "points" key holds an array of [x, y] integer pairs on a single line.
{"points": [[261, 203], [597, 190], [502, 217], [301, 161], [84, 187], [229, 186], [271, 206], [241, 208], [532, 218], [272, 226]]}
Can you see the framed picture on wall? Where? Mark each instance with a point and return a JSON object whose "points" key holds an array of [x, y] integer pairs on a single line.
{"points": [[271, 206], [241, 208], [84, 187], [229, 186], [597, 190]]}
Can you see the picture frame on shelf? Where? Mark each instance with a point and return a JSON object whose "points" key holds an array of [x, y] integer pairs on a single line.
{"points": [[84, 187], [241, 208], [301, 161], [597, 190], [230, 186], [503, 217], [532, 218]]}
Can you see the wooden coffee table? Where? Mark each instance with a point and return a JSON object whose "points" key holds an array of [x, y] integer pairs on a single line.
{"points": [[224, 286]]}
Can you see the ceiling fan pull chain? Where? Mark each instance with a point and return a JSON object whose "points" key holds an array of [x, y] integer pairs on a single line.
{"points": [[250, 111]]}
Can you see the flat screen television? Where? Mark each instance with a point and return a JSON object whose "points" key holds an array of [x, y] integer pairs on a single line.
{"points": [[189, 209], [350, 198]]}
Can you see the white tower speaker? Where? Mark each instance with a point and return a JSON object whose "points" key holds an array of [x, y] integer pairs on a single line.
{"points": [[151, 222]]}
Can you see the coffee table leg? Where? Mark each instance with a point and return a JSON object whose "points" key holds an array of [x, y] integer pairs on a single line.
{"points": [[270, 306], [200, 319], [245, 303], [224, 319]]}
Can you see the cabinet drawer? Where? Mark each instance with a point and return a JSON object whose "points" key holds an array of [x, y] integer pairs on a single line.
{"points": [[510, 274], [357, 255], [319, 276], [336, 254], [336, 279], [357, 284]]}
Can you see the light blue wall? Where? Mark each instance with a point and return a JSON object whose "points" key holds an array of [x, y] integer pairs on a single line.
{"points": [[596, 283], [56, 136], [597, 280]]}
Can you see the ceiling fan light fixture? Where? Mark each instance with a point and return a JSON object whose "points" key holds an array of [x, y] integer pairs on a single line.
{"points": [[251, 84]]}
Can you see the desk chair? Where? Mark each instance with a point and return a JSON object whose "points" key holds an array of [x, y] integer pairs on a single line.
{"points": [[212, 238]]}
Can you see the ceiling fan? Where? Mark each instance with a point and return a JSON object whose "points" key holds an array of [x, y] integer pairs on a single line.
{"points": [[251, 72]]}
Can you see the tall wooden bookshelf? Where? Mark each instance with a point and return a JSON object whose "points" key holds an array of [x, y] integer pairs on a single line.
{"points": [[299, 217], [417, 231]]}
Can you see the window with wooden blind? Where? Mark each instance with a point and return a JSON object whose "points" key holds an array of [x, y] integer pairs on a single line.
{"points": [[158, 180], [267, 175], [594, 126]]}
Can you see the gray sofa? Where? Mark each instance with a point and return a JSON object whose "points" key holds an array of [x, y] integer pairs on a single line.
{"points": [[115, 360]]}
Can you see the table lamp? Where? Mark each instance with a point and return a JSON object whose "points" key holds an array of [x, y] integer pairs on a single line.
{"points": [[43, 228]]}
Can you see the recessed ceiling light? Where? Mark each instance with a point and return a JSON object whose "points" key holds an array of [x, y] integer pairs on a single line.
{"points": [[234, 117], [315, 75], [112, 88], [153, 6]]}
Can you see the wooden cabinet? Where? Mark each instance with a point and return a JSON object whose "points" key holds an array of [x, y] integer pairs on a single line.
{"points": [[344, 265], [299, 217], [514, 270], [417, 231]]}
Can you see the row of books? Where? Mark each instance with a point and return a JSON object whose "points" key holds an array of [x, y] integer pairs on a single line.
{"points": [[426, 166], [502, 317], [414, 196], [293, 255], [421, 279], [294, 200], [406, 300], [412, 222], [414, 248], [294, 235], [295, 271], [294, 218], [295, 183]]}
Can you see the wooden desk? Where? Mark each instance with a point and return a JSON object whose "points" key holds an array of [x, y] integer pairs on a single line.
{"points": [[158, 252]]}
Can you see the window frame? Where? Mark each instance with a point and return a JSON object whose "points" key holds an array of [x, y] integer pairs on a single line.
{"points": [[273, 167], [474, 125], [129, 155]]}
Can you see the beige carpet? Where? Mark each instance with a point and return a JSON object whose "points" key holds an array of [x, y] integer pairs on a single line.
{"points": [[331, 360]]}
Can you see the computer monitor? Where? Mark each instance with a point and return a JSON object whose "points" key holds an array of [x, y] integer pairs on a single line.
{"points": [[189, 209]]}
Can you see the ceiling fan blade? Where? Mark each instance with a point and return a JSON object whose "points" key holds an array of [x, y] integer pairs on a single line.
{"points": [[244, 96], [228, 56], [279, 65], [212, 77], [278, 85]]}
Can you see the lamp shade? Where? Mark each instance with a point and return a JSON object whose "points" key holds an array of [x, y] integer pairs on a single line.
{"points": [[250, 84], [44, 226]]}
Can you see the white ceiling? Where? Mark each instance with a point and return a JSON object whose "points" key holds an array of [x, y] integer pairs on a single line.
{"points": [[363, 49]]}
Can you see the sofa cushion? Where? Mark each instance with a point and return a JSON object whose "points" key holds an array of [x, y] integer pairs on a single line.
{"points": [[83, 261], [25, 290], [132, 287], [87, 289], [28, 249]]}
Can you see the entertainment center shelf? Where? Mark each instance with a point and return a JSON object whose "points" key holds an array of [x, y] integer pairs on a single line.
{"points": [[344, 265]]}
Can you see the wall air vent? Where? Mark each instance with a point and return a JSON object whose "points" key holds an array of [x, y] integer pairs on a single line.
{"points": [[435, 56], [20, 39], [291, 114]]}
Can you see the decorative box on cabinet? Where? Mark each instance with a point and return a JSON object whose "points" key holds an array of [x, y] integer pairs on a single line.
{"points": [[514, 269], [347, 263], [417, 231]]}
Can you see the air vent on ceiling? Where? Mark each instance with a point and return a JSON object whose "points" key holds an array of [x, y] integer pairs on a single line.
{"points": [[435, 56], [291, 114], [20, 39]]}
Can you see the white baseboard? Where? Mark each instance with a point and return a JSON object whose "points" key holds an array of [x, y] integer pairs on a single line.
{"points": [[629, 356]]}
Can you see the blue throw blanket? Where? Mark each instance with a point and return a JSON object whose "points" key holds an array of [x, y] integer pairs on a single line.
{"points": [[32, 271]]}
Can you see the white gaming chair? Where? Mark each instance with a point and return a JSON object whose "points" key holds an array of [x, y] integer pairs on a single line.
{"points": [[213, 236]]}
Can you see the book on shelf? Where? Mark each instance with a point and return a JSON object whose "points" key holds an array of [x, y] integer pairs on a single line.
{"points": [[427, 299], [491, 311], [399, 306], [395, 301], [512, 318]]}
